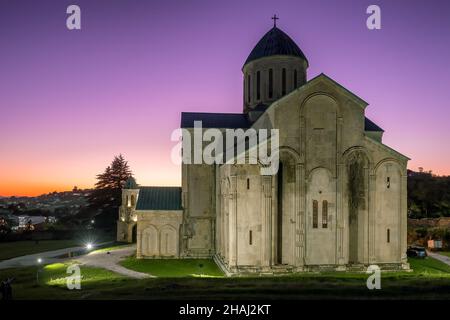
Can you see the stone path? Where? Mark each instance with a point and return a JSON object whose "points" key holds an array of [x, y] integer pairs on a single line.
{"points": [[110, 261], [439, 257]]}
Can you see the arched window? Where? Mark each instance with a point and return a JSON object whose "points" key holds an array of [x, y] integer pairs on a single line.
{"points": [[248, 89], [295, 79], [248, 183], [258, 85], [315, 214], [388, 236], [250, 237], [283, 82], [324, 214], [270, 83], [133, 200]]}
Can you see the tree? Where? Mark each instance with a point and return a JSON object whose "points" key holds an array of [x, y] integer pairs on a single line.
{"points": [[428, 195], [106, 196]]}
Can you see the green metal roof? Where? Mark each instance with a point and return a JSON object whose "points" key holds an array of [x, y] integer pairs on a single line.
{"points": [[159, 198]]}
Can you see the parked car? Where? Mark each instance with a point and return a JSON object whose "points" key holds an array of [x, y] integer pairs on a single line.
{"points": [[416, 251]]}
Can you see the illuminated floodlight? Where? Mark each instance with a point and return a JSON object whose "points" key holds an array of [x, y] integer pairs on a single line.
{"points": [[89, 246], [39, 260]]}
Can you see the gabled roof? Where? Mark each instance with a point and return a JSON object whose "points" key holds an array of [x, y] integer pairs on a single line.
{"points": [[215, 120], [159, 198], [275, 42], [323, 76], [369, 125], [387, 148]]}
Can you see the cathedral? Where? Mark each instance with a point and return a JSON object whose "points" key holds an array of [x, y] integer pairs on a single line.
{"points": [[336, 202]]}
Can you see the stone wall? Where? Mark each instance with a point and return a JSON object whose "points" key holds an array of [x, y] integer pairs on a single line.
{"points": [[158, 234]]}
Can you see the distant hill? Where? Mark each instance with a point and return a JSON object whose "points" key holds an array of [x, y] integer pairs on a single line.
{"points": [[54, 203]]}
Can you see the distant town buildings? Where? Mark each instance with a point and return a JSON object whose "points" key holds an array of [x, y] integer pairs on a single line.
{"points": [[32, 213]]}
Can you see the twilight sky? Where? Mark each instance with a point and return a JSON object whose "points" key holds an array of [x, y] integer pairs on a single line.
{"points": [[71, 100]]}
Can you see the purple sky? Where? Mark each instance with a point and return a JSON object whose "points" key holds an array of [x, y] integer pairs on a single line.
{"points": [[71, 100]]}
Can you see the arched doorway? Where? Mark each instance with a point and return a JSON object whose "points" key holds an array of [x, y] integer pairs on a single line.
{"points": [[285, 217], [134, 234]]}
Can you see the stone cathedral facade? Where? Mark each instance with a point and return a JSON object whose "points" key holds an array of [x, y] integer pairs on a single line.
{"points": [[338, 201]]}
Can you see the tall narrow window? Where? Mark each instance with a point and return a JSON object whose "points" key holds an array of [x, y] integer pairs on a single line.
{"points": [[295, 79], [388, 182], [324, 214], [248, 183], [315, 214], [388, 235], [283, 82], [248, 89], [270, 83], [250, 237], [258, 85]]}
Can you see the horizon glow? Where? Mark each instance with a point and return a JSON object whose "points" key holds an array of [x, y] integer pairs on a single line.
{"points": [[71, 100]]}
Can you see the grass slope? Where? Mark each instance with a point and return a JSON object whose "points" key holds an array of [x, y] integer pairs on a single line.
{"points": [[430, 280], [444, 253], [170, 268], [49, 282]]}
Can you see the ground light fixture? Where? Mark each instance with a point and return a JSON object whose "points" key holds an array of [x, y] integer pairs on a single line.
{"points": [[39, 262]]}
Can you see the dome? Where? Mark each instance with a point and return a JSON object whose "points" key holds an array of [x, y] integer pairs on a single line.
{"points": [[275, 42], [130, 184]]}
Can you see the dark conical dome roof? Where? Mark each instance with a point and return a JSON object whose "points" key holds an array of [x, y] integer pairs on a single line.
{"points": [[130, 184], [275, 42]]}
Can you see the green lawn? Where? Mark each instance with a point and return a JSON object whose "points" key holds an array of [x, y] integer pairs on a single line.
{"points": [[170, 268], [10, 250], [430, 280], [429, 267], [51, 282]]}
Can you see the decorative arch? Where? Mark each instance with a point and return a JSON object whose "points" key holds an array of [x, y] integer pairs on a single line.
{"points": [[320, 93], [293, 154], [149, 241], [358, 149], [168, 239], [393, 160], [314, 170]]}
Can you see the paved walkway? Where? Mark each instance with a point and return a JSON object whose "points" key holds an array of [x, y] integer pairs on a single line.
{"points": [[110, 261], [439, 257], [31, 259]]}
